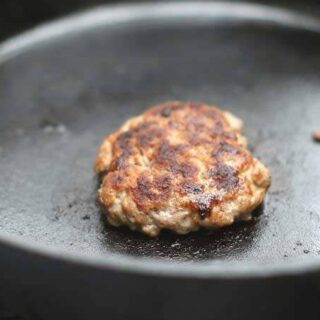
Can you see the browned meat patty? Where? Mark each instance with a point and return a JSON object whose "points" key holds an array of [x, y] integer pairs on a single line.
{"points": [[179, 166]]}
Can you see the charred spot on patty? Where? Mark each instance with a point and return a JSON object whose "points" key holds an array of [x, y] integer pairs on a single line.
{"points": [[167, 153], [115, 179], [230, 135], [194, 104], [218, 130], [144, 188], [185, 169], [204, 203], [123, 139], [224, 176], [143, 193], [214, 114], [150, 194], [163, 183], [195, 124], [121, 161], [192, 188], [144, 125], [148, 135], [166, 112], [224, 147]]}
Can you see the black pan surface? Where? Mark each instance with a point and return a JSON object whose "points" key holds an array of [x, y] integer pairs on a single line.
{"points": [[66, 85]]}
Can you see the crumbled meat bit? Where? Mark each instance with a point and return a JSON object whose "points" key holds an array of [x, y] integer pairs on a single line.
{"points": [[316, 135]]}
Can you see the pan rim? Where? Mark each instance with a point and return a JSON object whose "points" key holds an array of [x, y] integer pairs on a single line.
{"points": [[113, 14], [161, 268]]}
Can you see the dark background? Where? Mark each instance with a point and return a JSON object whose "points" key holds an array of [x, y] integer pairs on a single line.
{"points": [[19, 15]]}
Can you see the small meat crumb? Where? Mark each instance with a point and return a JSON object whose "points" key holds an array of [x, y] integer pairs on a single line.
{"points": [[316, 135]]}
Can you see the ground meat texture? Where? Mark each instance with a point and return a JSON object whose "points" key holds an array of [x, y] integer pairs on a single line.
{"points": [[179, 166]]}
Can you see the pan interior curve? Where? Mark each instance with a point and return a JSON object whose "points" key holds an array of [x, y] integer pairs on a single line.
{"points": [[60, 95]]}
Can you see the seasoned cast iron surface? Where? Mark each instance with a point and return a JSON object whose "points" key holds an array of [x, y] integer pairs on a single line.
{"points": [[58, 100]]}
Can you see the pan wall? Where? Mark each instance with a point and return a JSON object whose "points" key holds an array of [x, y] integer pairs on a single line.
{"points": [[18, 15]]}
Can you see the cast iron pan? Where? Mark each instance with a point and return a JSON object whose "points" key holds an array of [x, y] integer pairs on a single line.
{"points": [[65, 85]]}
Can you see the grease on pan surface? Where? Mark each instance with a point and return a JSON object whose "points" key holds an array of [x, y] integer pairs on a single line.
{"points": [[179, 166]]}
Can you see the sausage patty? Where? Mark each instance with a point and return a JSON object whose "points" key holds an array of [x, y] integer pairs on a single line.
{"points": [[179, 166]]}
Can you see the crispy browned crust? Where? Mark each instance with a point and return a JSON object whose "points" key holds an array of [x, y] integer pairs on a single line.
{"points": [[184, 157]]}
